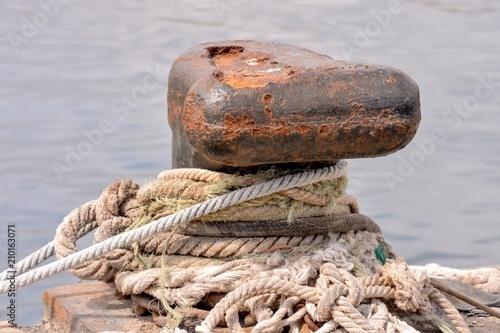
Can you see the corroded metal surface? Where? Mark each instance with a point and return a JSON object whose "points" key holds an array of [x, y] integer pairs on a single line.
{"points": [[248, 103]]}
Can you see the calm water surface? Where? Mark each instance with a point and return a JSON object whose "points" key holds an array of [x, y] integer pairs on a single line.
{"points": [[71, 70]]}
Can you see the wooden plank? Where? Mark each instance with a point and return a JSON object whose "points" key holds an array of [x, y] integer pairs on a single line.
{"points": [[93, 307]]}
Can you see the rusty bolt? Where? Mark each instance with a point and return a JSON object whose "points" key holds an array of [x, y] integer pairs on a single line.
{"points": [[241, 104]]}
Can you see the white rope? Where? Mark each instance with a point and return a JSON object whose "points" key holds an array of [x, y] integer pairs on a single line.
{"points": [[47, 251], [185, 215], [31, 261]]}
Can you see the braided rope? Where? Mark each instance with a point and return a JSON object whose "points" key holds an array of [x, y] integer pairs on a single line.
{"points": [[223, 247], [193, 174], [213, 176], [168, 222], [256, 288], [48, 250], [450, 310], [333, 300]]}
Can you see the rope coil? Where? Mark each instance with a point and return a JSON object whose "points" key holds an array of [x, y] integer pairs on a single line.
{"points": [[26, 277], [284, 251]]}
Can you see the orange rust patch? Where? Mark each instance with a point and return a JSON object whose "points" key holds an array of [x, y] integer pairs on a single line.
{"points": [[241, 69], [324, 130], [234, 127], [391, 79], [194, 120], [302, 129], [336, 87]]}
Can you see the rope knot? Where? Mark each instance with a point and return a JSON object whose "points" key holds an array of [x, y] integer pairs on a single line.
{"points": [[333, 284], [355, 291], [411, 290], [115, 200]]}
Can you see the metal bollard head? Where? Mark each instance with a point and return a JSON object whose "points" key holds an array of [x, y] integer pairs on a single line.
{"points": [[243, 104]]}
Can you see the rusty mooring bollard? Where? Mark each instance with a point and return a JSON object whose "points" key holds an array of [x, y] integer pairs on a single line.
{"points": [[241, 104]]}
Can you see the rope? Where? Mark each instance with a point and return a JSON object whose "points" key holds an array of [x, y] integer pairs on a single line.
{"points": [[168, 222], [319, 273], [437, 284], [334, 300], [484, 278], [223, 247], [48, 250], [450, 311], [212, 176]]}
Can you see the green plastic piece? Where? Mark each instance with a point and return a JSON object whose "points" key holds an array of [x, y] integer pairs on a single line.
{"points": [[380, 255]]}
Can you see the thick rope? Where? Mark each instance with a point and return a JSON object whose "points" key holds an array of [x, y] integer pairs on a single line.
{"points": [[187, 284], [169, 222], [335, 297], [339, 292], [212, 176], [337, 254], [436, 283], [484, 278], [159, 198], [450, 310], [124, 206], [48, 250], [311, 226], [223, 247]]}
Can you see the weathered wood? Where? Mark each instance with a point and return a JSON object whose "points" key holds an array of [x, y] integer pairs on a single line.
{"points": [[93, 307]]}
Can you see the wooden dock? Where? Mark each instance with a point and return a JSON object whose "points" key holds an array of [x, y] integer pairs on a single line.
{"points": [[93, 307]]}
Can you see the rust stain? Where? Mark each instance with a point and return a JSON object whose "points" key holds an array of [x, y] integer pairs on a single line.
{"points": [[235, 127], [248, 103], [241, 68], [268, 111], [302, 129], [391, 79], [267, 99], [335, 87], [324, 130], [190, 122]]}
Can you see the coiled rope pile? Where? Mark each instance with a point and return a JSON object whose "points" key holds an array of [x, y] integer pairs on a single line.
{"points": [[261, 253]]}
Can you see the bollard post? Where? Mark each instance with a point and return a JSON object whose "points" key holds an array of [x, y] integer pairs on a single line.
{"points": [[234, 106], [292, 251]]}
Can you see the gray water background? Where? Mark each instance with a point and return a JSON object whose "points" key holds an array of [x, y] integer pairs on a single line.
{"points": [[66, 77]]}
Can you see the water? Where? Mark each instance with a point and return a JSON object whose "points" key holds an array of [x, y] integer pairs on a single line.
{"points": [[74, 70]]}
